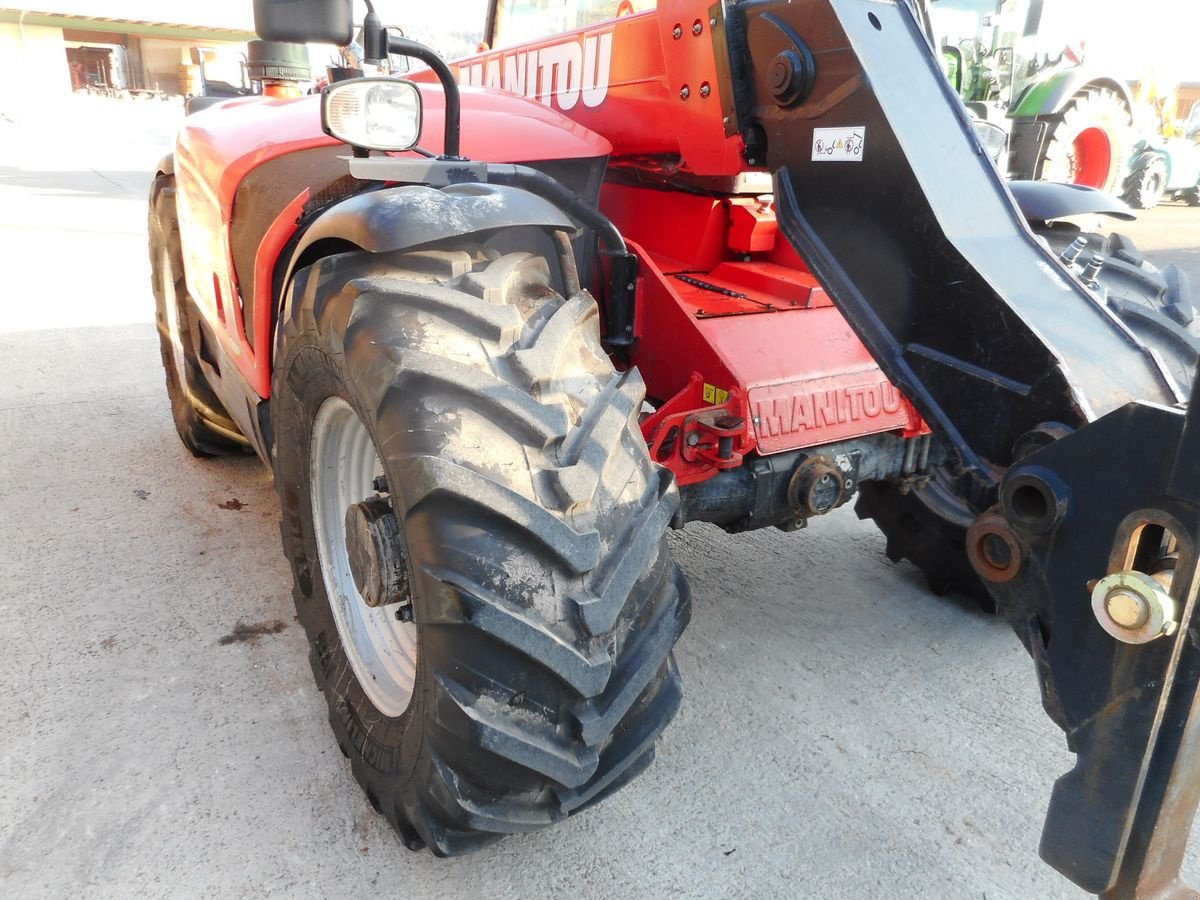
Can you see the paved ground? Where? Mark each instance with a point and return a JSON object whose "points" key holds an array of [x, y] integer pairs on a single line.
{"points": [[845, 734]]}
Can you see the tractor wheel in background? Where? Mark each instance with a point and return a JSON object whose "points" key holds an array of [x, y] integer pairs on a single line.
{"points": [[1146, 182], [1089, 141], [928, 524], [202, 423], [928, 527], [453, 439]]}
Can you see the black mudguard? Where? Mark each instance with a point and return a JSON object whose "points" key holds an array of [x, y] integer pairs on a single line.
{"points": [[401, 218], [1041, 201], [405, 217]]}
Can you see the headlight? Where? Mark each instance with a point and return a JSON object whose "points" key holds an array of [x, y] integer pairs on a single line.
{"points": [[994, 140], [373, 113]]}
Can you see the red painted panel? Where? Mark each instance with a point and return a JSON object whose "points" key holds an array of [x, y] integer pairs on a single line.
{"points": [[217, 149], [822, 409], [685, 232], [272, 245], [631, 80]]}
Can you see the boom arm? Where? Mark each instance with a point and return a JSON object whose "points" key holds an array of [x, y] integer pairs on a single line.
{"points": [[884, 190]]}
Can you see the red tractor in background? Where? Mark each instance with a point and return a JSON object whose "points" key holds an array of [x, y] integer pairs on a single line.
{"points": [[731, 263]]}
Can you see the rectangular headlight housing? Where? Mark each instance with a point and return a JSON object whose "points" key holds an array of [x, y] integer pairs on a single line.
{"points": [[373, 113]]}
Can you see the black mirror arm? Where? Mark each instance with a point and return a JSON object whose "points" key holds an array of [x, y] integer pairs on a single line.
{"points": [[406, 47]]}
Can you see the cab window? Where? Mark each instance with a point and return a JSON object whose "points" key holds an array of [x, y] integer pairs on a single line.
{"points": [[522, 21]]}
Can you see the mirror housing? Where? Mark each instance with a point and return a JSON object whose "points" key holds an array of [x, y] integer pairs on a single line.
{"points": [[302, 21]]}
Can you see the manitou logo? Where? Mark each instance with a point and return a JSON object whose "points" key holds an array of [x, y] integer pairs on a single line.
{"points": [[574, 70], [814, 410]]}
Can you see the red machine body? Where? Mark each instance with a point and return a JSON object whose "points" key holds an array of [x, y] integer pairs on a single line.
{"points": [[740, 348], [218, 149], [731, 325]]}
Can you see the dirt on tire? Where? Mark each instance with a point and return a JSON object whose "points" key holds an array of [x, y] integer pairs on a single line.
{"points": [[543, 592]]}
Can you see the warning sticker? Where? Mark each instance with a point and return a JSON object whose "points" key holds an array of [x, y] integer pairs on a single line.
{"points": [[839, 144], [713, 394]]}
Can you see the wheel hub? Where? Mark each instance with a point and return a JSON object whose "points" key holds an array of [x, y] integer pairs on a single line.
{"points": [[1092, 158], [376, 554]]}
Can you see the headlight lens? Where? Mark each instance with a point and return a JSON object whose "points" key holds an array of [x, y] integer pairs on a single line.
{"points": [[374, 113], [994, 140]]}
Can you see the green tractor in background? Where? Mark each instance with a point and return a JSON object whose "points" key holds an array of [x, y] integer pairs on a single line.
{"points": [[1018, 68]]}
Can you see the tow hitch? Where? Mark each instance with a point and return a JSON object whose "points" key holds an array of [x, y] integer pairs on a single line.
{"points": [[1106, 525]]}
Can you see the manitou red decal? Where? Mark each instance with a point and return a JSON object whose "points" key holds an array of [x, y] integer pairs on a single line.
{"points": [[800, 416], [572, 71]]}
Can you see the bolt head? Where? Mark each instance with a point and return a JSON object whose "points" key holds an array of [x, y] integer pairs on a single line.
{"points": [[677, 32], [781, 73], [705, 90], [697, 29], [685, 92]]}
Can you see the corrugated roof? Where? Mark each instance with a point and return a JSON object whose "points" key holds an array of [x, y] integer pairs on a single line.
{"points": [[118, 25]]}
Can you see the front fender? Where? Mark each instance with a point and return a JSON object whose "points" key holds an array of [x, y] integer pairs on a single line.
{"points": [[1047, 98], [1041, 201], [400, 218]]}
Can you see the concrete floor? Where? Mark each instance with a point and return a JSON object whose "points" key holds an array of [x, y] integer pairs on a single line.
{"points": [[845, 733]]}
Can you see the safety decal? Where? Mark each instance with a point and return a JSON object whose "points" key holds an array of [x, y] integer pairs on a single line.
{"points": [[839, 144], [713, 394]]}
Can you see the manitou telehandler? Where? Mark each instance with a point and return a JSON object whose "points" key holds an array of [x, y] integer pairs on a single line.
{"points": [[727, 262]]}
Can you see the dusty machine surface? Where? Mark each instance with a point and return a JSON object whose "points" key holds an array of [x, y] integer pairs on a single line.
{"points": [[739, 263]]}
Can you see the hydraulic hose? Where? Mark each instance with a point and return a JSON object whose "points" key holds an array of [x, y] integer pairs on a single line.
{"points": [[623, 265], [544, 186]]}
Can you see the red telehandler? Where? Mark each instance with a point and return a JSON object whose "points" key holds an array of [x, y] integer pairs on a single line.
{"points": [[735, 263]]}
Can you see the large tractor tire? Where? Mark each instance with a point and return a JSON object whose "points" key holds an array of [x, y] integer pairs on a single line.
{"points": [[1146, 182], [927, 525], [453, 441], [202, 423], [1089, 141]]}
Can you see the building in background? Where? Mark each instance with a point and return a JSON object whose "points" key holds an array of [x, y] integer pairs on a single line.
{"points": [[119, 46], [151, 46]]}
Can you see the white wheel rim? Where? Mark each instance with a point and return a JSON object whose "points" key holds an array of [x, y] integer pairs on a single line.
{"points": [[343, 464]]}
